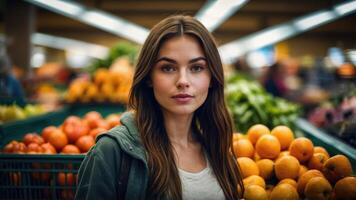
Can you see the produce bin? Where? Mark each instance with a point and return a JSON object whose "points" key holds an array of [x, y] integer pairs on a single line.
{"points": [[17, 129], [42, 176], [332, 144], [34, 176]]}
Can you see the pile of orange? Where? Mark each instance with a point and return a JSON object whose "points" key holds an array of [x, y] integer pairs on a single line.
{"points": [[74, 136], [275, 165], [106, 86]]}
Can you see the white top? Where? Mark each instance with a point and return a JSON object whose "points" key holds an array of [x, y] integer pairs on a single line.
{"points": [[202, 185]]}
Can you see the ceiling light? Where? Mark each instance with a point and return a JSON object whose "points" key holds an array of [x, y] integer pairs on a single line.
{"points": [[315, 19], [215, 13], [92, 50], [66, 7], [231, 51], [96, 18], [345, 8]]}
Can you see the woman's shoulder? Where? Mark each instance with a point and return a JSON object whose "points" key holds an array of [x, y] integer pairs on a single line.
{"points": [[106, 144]]}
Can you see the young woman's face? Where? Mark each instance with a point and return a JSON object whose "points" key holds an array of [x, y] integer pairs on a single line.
{"points": [[181, 77]]}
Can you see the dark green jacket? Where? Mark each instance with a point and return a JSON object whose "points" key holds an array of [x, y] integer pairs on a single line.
{"points": [[99, 171]]}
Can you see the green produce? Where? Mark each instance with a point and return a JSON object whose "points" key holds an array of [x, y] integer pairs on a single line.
{"points": [[15, 112], [250, 104]]}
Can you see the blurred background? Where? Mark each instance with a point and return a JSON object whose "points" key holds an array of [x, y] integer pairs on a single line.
{"points": [[55, 53], [66, 69]]}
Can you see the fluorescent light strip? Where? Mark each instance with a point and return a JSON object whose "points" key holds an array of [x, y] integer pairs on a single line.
{"points": [[345, 8], [96, 18], [309, 22], [215, 13], [231, 51], [92, 50], [65, 6]]}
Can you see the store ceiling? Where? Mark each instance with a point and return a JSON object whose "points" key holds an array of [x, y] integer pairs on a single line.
{"points": [[254, 16]]}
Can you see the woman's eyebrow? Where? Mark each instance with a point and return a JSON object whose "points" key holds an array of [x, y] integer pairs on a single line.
{"points": [[197, 59], [166, 59], [175, 62]]}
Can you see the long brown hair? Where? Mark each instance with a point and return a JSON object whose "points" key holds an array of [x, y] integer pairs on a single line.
{"points": [[211, 120]]}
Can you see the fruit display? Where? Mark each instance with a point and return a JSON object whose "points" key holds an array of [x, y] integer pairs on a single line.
{"points": [[275, 165], [121, 49], [250, 104], [73, 136], [108, 85], [14, 112]]}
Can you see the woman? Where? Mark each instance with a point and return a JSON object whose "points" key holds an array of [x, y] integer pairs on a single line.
{"points": [[179, 134]]}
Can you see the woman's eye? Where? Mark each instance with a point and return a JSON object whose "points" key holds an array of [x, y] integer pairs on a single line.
{"points": [[196, 68], [167, 68]]}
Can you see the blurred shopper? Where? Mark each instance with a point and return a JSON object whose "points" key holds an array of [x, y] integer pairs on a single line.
{"points": [[10, 87], [274, 80], [176, 143]]}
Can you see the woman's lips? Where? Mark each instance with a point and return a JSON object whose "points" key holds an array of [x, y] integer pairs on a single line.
{"points": [[182, 98]]}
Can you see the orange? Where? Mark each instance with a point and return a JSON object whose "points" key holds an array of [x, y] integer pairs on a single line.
{"points": [[345, 188], [336, 168], [58, 139], [318, 149], [256, 131], [302, 148], [33, 138], [266, 168], [283, 153], [255, 192], [46, 132], [256, 157], [97, 131], [74, 128], [317, 161], [84, 143], [34, 148], [254, 180], [70, 149], [48, 148], [284, 191], [113, 120], [237, 136], [284, 135], [302, 170], [15, 178], [268, 146], [248, 167], [243, 148], [303, 180], [66, 179], [289, 181], [287, 167], [92, 118], [67, 194], [318, 188]]}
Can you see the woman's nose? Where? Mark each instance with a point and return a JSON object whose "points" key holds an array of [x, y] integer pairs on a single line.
{"points": [[182, 81]]}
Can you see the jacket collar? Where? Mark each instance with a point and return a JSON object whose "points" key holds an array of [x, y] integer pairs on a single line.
{"points": [[128, 137]]}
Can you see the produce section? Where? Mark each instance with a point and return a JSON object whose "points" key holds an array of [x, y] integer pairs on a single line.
{"points": [[67, 68], [276, 165], [250, 104], [44, 164]]}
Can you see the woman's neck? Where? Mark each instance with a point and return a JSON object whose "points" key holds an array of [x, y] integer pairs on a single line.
{"points": [[178, 128]]}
